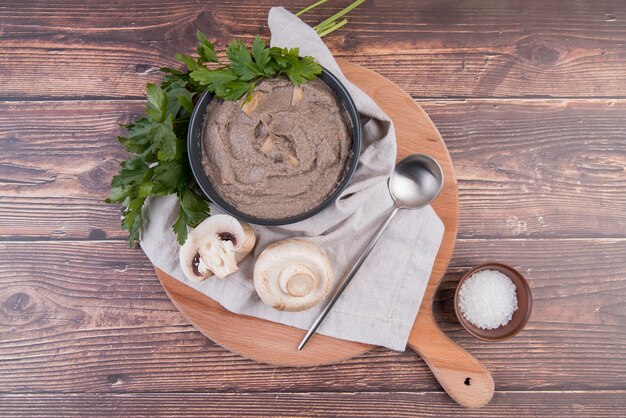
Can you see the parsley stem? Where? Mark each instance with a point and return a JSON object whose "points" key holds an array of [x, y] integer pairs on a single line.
{"points": [[306, 9], [331, 20], [332, 28]]}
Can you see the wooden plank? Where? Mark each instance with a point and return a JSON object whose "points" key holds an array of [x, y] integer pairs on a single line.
{"points": [[516, 178], [51, 217], [376, 404], [537, 168], [91, 316], [431, 49]]}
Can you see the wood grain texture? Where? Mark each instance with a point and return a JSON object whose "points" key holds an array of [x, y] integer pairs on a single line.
{"points": [[361, 405], [254, 338], [516, 177], [551, 166], [460, 374], [92, 317], [529, 96], [471, 48]]}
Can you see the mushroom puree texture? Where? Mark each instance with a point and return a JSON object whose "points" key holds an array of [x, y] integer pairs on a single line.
{"points": [[281, 154]]}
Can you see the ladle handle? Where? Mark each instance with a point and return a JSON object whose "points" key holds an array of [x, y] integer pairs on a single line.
{"points": [[346, 279]]}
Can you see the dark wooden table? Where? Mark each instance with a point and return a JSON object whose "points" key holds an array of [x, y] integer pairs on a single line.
{"points": [[530, 97]]}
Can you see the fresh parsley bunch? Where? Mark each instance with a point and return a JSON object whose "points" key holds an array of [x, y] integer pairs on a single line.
{"points": [[160, 164], [245, 68]]}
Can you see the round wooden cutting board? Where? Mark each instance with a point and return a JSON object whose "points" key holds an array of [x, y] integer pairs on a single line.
{"points": [[273, 343]]}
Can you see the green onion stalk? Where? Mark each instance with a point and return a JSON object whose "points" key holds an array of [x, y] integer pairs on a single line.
{"points": [[335, 21]]}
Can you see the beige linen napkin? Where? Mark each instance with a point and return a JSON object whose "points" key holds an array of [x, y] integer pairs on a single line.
{"points": [[381, 303]]}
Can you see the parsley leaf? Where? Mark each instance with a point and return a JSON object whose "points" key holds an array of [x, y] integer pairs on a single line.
{"points": [[139, 131], [206, 50], [174, 91], [248, 66], [192, 210], [132, 171], [132, 146], [214, 80], [196, 209], [157, 103], [305, 69], [236, 89], [170, 176], [165, 140], [186, 102], [261, 55], [188, 61], [132, 219], [285, 57], [180, 226], [241, 62]]}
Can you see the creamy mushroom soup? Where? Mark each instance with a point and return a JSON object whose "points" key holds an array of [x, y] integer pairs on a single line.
{"points": [[282, 153]]}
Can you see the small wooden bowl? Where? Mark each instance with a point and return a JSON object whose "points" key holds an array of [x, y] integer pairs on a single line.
{"points": [[520, 316]]}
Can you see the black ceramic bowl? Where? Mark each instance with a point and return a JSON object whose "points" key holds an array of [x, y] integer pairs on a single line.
{"points": [[195, 150]]}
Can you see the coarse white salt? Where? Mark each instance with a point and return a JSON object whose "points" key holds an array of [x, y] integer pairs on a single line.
{"points": [[487, 299]]}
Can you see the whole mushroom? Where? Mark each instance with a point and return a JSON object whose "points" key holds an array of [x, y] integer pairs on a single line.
{"points": [[215, 246], [292, 275]]}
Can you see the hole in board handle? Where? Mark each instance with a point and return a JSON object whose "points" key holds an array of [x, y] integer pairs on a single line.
{"points": [[467, 381]]}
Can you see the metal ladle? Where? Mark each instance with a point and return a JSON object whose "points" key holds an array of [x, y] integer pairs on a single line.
{"points": [[415, 182]]}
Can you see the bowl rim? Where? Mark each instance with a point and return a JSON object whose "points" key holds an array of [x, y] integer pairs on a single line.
{"points": [[206, 186], [475, 331]]}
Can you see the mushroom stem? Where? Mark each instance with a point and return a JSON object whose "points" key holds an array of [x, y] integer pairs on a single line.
{"points": [[292, 275], [215, 247], [296, 280], [221, 258], [200, 266]]}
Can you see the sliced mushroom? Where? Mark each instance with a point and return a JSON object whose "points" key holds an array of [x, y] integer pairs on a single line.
{"points": [[297, 95], [215, 247], [248, 107], [292, 275]]}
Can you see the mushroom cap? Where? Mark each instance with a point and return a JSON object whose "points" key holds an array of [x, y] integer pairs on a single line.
{"points": [[215, 246], [292, 275]]}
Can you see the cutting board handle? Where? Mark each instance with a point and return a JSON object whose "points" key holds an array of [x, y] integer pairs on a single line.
{"points": [[460, 374]]}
